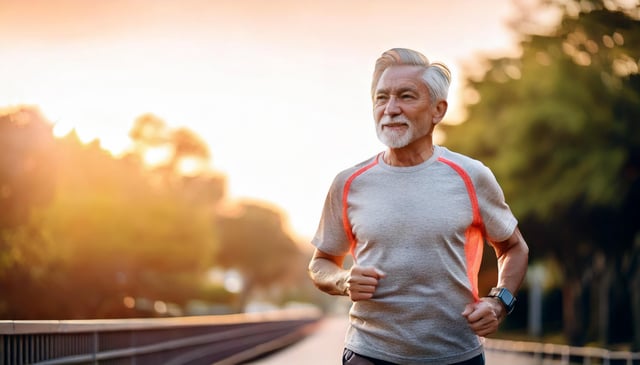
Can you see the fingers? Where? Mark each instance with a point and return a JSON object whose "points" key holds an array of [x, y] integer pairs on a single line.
{"points": [[468, 309], [482, 317], [484, 327], [367, 271], [362, 282]]}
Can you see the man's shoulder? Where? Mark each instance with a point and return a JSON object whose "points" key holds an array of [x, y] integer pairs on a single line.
{"points": [[357, 168], [476, 169], [464, 161]]}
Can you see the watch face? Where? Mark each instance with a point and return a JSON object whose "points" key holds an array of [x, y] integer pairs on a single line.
{"points": [[505, 297]]}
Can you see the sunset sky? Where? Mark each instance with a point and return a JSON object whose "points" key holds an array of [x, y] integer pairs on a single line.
{"points": [[278, 89]]}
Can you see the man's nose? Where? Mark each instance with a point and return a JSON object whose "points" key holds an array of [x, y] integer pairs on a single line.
{"points": [[392, 107]]}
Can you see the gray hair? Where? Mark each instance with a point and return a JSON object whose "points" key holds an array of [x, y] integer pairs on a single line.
{"points": [[436, 75]]}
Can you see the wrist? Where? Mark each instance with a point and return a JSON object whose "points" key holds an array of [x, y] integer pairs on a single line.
{"points": [[342, 286], [498, 307], [504, 297]]}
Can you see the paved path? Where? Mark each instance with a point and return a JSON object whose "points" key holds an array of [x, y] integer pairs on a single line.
{"points": [[324, 347]]}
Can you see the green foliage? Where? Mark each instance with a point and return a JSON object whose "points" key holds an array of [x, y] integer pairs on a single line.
{"points": [[25, 164], [559, 128], [110, 229], [80, 230], [255, 242], [559, 124]]}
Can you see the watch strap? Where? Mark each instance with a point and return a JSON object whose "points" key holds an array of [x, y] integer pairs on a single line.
{"points": [[505, 297]]}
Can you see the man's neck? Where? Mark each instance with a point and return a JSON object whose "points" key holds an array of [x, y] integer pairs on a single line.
{"points": [[406, 156]]}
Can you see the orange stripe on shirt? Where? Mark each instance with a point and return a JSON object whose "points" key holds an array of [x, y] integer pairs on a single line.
{"points": [[345, 206], [474, 235]]}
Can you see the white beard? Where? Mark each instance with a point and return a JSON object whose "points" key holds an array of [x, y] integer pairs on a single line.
{"points": [[392, 138]]}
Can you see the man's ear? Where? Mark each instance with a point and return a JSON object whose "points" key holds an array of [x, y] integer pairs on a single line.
{"points": [[439, 110]]}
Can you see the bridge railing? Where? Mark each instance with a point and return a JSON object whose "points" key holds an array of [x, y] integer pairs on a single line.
{"points": [[555, 354], [181, 340]]}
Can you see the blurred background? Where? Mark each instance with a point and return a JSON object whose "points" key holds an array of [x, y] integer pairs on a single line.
{"points": [[164, 158]]}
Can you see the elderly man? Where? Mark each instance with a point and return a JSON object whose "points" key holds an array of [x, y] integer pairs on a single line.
{"points": [[415, 218]]}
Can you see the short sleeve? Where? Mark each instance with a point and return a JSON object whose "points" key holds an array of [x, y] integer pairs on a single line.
{"points": [[330, 236], [498, 219]]}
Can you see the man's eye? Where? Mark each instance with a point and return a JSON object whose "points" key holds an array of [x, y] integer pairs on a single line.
{"points": [[381, 98], [406, 96]]}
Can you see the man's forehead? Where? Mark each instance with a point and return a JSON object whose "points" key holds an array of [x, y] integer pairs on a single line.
{"points": [[404, 76]]}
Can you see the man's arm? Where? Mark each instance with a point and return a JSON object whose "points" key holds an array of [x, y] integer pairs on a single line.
{"points": [[328, 275], [513, 256]]}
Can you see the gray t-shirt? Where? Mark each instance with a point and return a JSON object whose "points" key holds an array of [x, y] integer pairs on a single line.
{"points": [[411, 222]]}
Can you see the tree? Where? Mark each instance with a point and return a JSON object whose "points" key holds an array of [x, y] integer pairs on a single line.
{"points": [[25, 163], [254, 242], [107, 231], [174, 148], [26, 146], [558, 126]]}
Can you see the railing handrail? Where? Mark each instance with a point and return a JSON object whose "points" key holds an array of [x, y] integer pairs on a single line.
{"points": [[563, 351], [149, 340], [17, 328], [14, 327]]}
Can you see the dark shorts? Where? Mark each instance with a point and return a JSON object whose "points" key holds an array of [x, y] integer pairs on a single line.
{"points": [[351, 358]]}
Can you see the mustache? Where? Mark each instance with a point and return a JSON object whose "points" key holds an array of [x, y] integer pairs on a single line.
{"points": [[396, 120]]}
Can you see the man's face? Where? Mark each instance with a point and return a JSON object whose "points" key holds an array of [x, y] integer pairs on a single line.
{"points": [[402, 107]]}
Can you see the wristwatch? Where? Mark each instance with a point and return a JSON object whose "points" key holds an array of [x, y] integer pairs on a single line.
{"points": [[505, 297]]}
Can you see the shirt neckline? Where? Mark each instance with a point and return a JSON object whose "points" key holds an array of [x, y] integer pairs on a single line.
{"points": [[437, 152]]}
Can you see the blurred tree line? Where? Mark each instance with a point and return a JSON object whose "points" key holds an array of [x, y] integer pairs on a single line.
{"points": [[560, 127], [86, 235]]}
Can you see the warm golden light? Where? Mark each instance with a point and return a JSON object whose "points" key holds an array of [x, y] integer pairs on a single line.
{"points": [[190, 166], [158, 155], [129, 302], [279, 94]]}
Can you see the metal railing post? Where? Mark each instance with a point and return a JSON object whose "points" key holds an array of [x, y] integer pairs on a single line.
{"points": [[95, 347]]}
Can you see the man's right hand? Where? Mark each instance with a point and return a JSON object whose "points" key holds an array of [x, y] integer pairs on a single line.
{"points": [[361, 282]]}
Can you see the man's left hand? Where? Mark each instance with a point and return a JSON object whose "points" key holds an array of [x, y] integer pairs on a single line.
{"points": [[484, 316]]}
